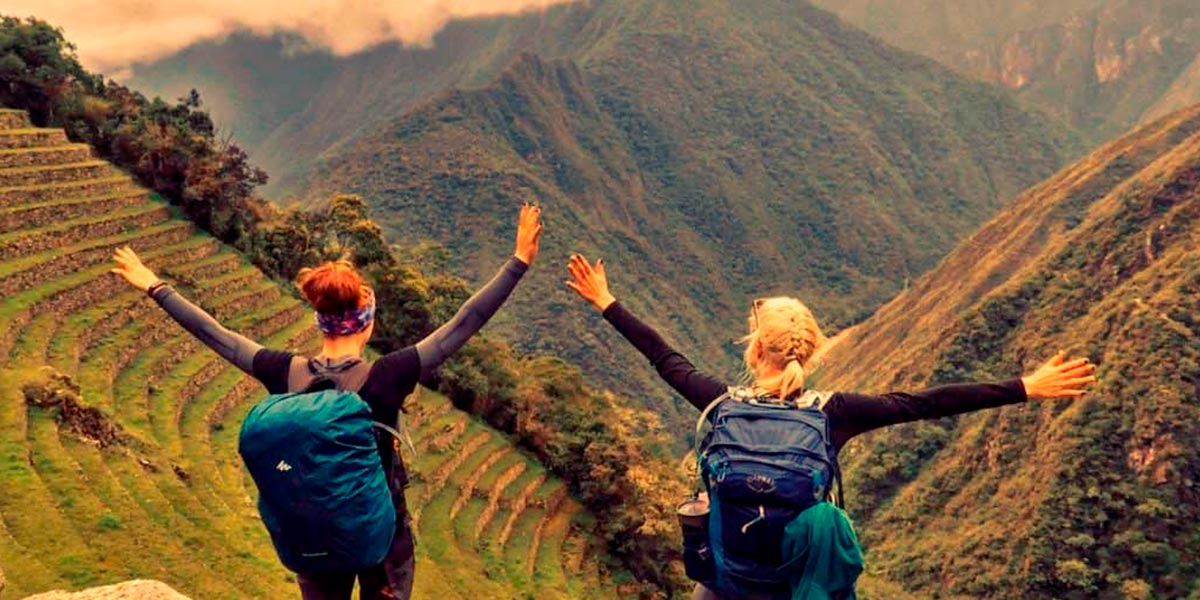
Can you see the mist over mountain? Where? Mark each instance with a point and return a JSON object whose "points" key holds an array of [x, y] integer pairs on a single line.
{"points": [[1101, 65], [289, 102]]}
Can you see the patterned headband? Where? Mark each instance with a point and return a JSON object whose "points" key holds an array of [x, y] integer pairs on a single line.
{"points": [[349, 322]]}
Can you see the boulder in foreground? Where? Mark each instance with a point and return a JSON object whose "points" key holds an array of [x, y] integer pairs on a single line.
{"points": [[129, 590]]}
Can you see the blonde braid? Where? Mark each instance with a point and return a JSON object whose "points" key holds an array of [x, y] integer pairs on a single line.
{"points": [[787, 336]]}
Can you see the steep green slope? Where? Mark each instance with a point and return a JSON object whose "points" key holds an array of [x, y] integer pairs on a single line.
{"points": [[118, 431], [709, 156], [1095, 498], [1102, 65]]}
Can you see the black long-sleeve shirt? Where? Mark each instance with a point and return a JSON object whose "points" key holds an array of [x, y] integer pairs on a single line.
{"points": [[849, 414], [383, 384]]}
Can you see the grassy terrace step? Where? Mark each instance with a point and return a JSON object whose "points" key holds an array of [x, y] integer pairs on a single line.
{"points": [[23, 243], [134, 380], [527, 488], [145, 315], [197, 271], [41, 333], [87, 188], [444, 430], [44, 155], [175, 365], [94, 320], [18, 558], [521, 547], [14, 119], [496, 485], [54, 173], [71, 291], [41, 214], [548, 568], [436, 528], [467, 490], [193, 373], [196, 444], [422, 412], [95, 511], [34, 270], [28, 137], [50, 539]]}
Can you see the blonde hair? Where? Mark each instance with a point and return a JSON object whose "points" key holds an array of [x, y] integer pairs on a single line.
{"points": [[783, 333]]}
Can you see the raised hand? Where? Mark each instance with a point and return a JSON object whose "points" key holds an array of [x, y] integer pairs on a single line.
{"points": [[590, 282], [529, 233], [131, 268], [1060, 378]]}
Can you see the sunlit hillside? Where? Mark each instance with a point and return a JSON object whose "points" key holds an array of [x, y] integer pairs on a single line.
{"points": [[1095, 498]]}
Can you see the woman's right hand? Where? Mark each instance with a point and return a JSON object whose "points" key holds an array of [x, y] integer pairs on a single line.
{"points": [[1060, 378], [590, 282], [131, 268]]}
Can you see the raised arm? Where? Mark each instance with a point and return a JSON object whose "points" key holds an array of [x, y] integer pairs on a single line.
{"points": [[591, 283], [435, 348], [231, 346], [852, 414]]}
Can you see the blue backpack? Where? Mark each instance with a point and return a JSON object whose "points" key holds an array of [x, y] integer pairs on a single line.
{"points": [[763, 462], [322, 491]]}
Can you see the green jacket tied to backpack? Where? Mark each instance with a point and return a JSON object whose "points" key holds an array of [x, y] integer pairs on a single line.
{"points": [[821, 555]]}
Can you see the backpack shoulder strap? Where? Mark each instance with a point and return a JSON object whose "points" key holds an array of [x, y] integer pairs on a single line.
{"points": [[814, 399], [817, 399], [704, 414]]}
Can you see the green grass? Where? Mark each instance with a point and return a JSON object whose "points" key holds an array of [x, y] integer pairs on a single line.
{"points": [[173, 501]]}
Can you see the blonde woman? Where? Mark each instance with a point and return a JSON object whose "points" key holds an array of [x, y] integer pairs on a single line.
{"points": [[782, 337]]}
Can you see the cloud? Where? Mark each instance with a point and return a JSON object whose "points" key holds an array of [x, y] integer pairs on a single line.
{"points": [[112, 34]]}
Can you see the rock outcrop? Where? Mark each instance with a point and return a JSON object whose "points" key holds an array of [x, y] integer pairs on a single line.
{"points": [[139, 589]]}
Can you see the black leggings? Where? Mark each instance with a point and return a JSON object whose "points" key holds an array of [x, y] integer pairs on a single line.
{"points": [[390, 580]]}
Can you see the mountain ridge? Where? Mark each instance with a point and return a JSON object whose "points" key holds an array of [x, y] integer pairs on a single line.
{"points": [[1103, 66], [1076, 499], [835, 169]]}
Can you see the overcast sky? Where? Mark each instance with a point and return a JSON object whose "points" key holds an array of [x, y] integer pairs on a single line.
{"points": [[112, 34]]}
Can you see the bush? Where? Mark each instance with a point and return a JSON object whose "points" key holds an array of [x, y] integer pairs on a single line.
{"points": [[1076, 575]]}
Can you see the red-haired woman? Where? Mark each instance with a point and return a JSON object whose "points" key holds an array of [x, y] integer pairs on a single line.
{"points": [[345, 308]]}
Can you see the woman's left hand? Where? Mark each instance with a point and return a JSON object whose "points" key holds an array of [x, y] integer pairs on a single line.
{"points": [[1060, 378], [131, 268], [590, 282]]}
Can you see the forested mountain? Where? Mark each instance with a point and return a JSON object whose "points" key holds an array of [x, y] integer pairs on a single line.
{"points": [[288, 103], [1102, 65], [708, 155], [1093, 498]]}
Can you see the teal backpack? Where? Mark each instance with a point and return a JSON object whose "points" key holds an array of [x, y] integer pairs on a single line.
{"points": [[322, 491]]}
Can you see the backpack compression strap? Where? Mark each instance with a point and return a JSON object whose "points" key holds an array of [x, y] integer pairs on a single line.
{"points": [[403, 438]]}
